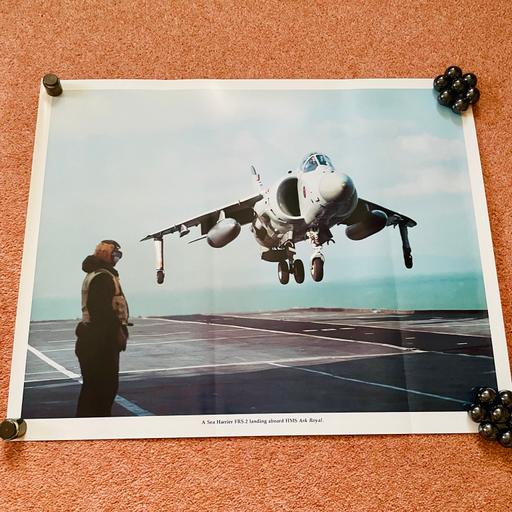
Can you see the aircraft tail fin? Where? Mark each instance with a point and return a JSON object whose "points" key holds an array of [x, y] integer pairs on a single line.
{"points": [[256, 179]]}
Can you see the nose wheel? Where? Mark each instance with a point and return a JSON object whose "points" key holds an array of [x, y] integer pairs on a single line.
{"points": [[296, 268], [317, 269]]}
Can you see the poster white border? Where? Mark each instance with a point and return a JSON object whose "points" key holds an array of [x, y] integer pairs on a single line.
{"points": [[258, 424]]}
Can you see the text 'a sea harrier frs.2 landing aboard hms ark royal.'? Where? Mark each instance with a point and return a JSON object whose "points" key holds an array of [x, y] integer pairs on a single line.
{"points": [[303, 205]]}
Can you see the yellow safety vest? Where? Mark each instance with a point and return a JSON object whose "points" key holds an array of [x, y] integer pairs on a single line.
{"points": [[119, 304]]}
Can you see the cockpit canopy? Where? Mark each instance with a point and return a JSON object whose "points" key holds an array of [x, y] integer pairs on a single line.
{"points": [[313, 160]]}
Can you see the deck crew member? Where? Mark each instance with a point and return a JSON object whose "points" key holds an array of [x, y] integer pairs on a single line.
{"points": [[102, 334]]}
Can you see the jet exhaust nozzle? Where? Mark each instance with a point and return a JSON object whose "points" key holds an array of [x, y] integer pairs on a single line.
{"points": [[375, 222], [224, 232]]}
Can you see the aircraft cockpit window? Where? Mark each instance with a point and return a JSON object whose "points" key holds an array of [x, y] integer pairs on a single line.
{"points": [[311, 164], [324, 160]]}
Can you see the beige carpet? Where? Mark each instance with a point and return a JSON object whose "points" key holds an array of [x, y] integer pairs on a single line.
{"points": [[237, 39]]}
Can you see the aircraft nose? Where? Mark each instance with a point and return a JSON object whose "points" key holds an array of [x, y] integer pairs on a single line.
{"points": [[333, 186]]}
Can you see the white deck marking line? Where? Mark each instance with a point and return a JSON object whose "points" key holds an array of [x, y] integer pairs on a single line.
{"points": [[458, 354], [69, 349], [197, 339], [410, 338], [449, 324], [173, 342], [215, 330], [41, 373], [123, 402], [42, 323], [143, 324], [376, 384], [249, 363], [52, 330], [309, 330], [286, 333], [54, 364], [142, 335], [132, 407], [42, 381], [346, 328], [332, 329], [131, 336], [462, 343], [477, 324], [362, 326], [156, 335]]}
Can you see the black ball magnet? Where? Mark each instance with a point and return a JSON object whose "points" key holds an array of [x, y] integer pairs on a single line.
{"points": [[458, 86], [469, 79], [488, 431], [477, 413], [446, 98], [460, 105], [499, 414], [505, 439], [505, 398], [472, 95], [486, 396], [453, 72], [441, 83]]}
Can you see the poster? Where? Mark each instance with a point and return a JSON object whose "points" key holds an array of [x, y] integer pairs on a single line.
{"points": [[259, 323]]}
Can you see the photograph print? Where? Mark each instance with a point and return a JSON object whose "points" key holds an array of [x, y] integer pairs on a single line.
{"points": [[213, 258]]}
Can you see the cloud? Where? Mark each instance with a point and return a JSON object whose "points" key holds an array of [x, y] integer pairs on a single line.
{"points": [[426, 147], [426, 181]]}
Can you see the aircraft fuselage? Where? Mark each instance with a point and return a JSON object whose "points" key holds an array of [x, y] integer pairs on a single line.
{"points": [[303, 202]]}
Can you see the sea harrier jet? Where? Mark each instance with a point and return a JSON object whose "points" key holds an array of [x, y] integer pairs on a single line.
{"points": [[303, 205]]}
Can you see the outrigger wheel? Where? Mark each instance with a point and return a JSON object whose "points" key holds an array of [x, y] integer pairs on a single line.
{"points": [[406, 246], [317, 269], [407, 257], [160, 276], [283, 272]]}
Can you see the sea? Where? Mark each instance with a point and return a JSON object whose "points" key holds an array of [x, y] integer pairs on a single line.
{"points": [[432, 292]]}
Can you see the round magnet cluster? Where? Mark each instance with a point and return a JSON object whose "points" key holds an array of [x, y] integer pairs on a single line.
{"points": [[457, 90], [493, 411]]}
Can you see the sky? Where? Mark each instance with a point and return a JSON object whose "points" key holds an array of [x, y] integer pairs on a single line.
{"points": [[125, 163]]}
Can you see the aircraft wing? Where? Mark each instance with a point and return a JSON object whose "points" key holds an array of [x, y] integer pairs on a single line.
{"points": [[364, 206], [241, 211]]}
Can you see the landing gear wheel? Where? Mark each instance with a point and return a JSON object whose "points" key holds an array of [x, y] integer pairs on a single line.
{"points": [[407, 258], [317, 269], [283, 272], [160, 276], [298, 271]]}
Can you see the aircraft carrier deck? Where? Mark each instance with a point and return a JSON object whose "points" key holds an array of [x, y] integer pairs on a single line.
{"points": [[307, 360]]}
